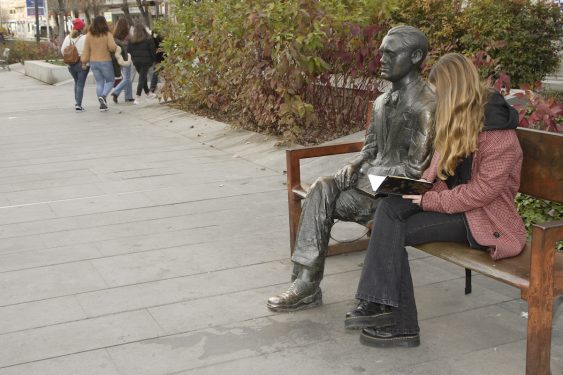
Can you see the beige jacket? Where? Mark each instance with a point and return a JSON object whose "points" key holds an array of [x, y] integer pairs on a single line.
{"points": [[98, 48]]}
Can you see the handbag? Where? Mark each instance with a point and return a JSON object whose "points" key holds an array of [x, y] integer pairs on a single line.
{"points": [[116, 67]]}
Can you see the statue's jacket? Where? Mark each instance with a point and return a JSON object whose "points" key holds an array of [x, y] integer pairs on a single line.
{"points": [[399, 139]]}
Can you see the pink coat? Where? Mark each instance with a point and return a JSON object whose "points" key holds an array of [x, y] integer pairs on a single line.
{"points": [[488, 198]]}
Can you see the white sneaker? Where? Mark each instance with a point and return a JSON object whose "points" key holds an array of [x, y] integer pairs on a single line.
{"points": [[137, 100], [151, 95]]}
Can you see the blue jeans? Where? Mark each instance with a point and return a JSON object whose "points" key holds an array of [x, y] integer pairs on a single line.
{"points": [[104, 75], [79, 76], [386, 276], [125, 83]]}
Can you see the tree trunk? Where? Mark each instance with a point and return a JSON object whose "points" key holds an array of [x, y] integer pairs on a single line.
{"points": [[125, 9], [61, 20], [144, 12], [56, 17], [88, 17]]}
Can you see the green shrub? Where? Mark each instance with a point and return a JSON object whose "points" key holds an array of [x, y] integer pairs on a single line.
{"points": [[520, 35], [536, 211], [306, 69], [273, 65], [22, 50]]}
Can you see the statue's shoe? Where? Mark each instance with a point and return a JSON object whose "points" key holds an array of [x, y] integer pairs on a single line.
{"points": [[300, 295]]}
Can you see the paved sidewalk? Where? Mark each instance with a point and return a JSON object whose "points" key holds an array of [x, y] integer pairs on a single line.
{"points": [[146, 240]]}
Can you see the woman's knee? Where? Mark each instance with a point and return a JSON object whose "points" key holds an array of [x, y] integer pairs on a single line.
{"points": [[395, 207]]}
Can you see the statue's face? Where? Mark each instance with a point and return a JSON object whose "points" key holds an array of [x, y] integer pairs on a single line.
{"points": [[396, 59]]}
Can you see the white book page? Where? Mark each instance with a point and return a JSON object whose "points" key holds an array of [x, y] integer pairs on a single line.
{"points": [[375, 181]]}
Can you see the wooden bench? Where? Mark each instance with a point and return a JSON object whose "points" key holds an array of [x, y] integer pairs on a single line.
{"points": [[537, 272]]}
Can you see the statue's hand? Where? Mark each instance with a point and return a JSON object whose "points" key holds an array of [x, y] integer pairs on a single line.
{"points": [[346, 177]]}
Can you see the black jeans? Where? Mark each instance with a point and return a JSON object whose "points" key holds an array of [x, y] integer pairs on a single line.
{"points": [[386, 276], [142, 84], [154, 78]]}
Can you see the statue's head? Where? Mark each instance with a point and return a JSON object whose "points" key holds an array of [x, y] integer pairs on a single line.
{"points": [[403, 50]]}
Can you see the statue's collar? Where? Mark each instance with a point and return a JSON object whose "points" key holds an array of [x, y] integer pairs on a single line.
{"points": [[394, 96]]}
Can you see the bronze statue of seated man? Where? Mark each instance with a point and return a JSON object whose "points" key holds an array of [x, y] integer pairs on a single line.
{"points": [[398, 142]]}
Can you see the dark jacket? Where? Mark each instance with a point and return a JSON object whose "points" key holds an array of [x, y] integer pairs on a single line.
{"points": [[142, 53], [399, 138], [124, 49], [159, 55]]}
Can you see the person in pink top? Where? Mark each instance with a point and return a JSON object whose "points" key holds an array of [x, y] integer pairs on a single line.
{"points": [[475, 172]]}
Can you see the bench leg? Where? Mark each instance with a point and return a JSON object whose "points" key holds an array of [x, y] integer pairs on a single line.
{"points": [[467, 281], [293, 201], [294, 215], [540, 300], [538, 353]]}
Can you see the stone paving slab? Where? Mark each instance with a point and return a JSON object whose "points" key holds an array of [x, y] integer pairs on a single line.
{"points": [[146, 240]]}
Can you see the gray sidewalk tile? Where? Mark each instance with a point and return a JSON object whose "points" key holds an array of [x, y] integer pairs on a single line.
{"points": [[162, 292], [16, 244], [47, 312], [105, 203], [96, 362], [52, 194], [10, 215], [106, 232], [75, 337], [48, 282], [46, 257]]}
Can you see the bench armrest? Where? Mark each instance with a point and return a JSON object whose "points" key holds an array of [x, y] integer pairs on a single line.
{"points": [[294, 156], [546, 266]]}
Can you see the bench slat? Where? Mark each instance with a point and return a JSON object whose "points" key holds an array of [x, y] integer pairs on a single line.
{"points": [[513, 271]]}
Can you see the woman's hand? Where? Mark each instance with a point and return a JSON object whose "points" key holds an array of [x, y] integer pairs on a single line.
{"points": [[416, 199]]}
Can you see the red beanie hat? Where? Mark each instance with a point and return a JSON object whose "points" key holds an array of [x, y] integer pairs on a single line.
{"points": [[78, 24]]}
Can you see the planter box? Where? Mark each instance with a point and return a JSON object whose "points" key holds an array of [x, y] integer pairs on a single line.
{"points": [[50, 73], [46, 72]]}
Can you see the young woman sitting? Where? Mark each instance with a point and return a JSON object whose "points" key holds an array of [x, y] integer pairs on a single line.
{"points": [[476, 174]]}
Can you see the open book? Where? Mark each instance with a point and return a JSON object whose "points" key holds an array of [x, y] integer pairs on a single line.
{"points": [[394, 185]]}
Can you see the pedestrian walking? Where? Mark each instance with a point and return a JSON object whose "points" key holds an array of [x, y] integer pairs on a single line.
{"points": [[121, 36], [76, 38], [158, 58], [142, 50], [98, 48]]}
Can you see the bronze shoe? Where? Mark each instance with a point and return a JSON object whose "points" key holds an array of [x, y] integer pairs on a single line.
{"points": [[300, 295]]}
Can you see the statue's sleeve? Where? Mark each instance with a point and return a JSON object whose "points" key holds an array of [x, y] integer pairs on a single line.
{"points": [[420, 151], [369, 151]]}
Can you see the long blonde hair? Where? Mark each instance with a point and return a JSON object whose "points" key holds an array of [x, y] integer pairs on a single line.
{"points": [[461, 97]]}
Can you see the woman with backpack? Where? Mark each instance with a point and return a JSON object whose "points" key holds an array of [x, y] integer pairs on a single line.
{"points": [[98, 47], [142, 50], [121, 36], [72, 48]]}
